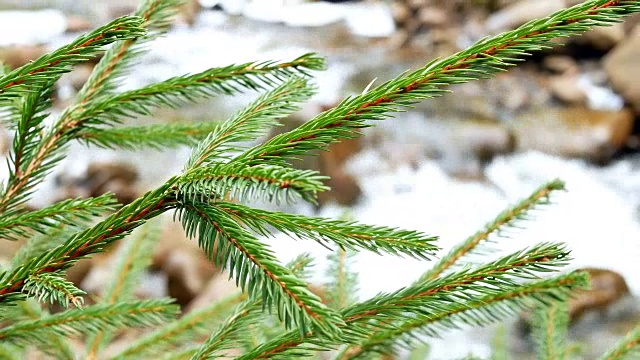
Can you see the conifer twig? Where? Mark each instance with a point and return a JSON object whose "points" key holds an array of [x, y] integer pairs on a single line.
{"points": [[180, 331], [627, 347], [178, 90], [480, 311], [93, 318], [505, 219], [136, 256], [435, 295], [480, 61], [346, 234], [157, 136], [50, 66]]}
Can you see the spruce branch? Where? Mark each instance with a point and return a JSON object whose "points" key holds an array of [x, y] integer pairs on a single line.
{"points": [[50, 344], [136, 257], [38, 244], [505, 219], [92, 318], [269, 183], [18, 223], [480, 61], [185, 329], [47, 67], [197, 323], [157, 136], [549, 330], [346, 234], [342, 288], [53, 287], [627, 348], [228, 334], [384, 311], [189, 88], [156, 17], [256, 269], [477, 312], [251, 122], [29, 125], [89, 241]]}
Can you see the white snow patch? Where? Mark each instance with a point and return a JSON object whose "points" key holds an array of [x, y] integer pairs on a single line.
{"points": [[31, 27]]}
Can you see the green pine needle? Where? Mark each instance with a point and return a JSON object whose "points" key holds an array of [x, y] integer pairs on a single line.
{"points": [[256, 269], [627, 348], [54, 288], [384, 311], [186, 329], [157, 136], [135, 257], [189, 88], [50, 66], [346, 234], [17, 224], [156, 16], [505, 219], [251, 122], [549, 330], [91, 319], [273, 183]]}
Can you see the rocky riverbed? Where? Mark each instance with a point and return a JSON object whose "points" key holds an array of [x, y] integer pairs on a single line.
{"points": [[447, 167]]}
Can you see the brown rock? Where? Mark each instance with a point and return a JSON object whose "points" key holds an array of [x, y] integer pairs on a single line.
{"points": [[560, 64], [432, 16], [16, 56], [607, 288], [621, 66], [520, 12], [344, 188], [574, 132], [401, 13], [186, 266], [188, 12], [79, 75], [78, 24], [100, 178], [603, 37], [566, 88]]}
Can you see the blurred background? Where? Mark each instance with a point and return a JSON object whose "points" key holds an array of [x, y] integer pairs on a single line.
{"points": [[446, 167]]}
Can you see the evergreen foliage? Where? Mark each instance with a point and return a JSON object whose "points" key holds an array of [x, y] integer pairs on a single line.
{"points": [[276, 315]]}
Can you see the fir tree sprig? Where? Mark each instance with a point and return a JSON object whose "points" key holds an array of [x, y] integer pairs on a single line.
{"points": [[228, 333], [86, 242], [92, 318], [50, 66], [256, 269], [188, 88], [549, 330], [346, 234], [342, 288], [50, 344], [627, 348], [480, 61], [188, 327], [271, 183], [383, 311], [136, 257], [507, 218], [156, 136], [19, 223], [477, 312], [53, 287], [251, 122], [156, 16]]}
